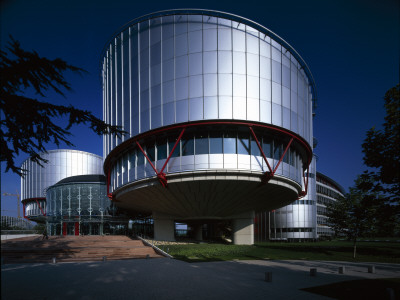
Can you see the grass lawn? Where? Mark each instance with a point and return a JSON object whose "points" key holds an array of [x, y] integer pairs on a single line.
{"points": [[388, 252], [359, 289]]}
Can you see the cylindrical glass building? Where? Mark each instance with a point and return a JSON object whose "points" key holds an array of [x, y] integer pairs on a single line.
{"points": [[61, 163], [79, 205], [219, 114]]}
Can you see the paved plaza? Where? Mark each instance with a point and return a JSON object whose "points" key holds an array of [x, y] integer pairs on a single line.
{"points": [[165, 278]]}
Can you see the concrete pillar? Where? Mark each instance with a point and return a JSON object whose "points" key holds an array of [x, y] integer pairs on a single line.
{"points": [[243, 228], [164, 227], [198, 232]]}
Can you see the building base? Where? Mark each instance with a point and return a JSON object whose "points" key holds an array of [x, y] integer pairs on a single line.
{"points": [[164, 227], [243, 228]]}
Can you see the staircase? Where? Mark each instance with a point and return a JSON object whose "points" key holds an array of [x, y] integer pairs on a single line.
{"points": [[73, 249]]}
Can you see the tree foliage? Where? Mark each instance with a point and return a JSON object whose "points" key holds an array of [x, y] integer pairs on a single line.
{"points": [[27, 124], [381, 150], [372, 206], [354, 215]]}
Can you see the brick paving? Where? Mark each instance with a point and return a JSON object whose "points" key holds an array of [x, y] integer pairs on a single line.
{"points": [[73, 249]]}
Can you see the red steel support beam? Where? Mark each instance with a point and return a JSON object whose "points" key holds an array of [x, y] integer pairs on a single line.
{"points": [[260, 148], [283, 155], [145, 155], [23, 207], [195, 124], [109, 195], [268, 175], [161, 176], [305, 179], [40, 207], [173, 149]]}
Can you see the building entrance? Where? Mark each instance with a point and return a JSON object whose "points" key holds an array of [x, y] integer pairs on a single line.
{"points": [[70, 228]]}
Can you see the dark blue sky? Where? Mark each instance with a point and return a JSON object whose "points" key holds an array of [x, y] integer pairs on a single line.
{"points": [[351, 47]]}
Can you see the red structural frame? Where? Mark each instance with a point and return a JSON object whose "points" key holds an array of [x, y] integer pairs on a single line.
{"points": [[162, 176], [29, 200]]}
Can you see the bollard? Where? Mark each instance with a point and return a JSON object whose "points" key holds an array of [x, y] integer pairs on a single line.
{"points": [[268, 276], [104, 258], [313, 272], [371, 269], [390, 295], [54, 260], [342, 270]]}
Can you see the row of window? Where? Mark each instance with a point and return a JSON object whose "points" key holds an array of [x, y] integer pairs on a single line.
{"points": [[204, 143], [306, 229], [324, 200], [218, 143], [304, 202], [328, 192], [321, 210], [326, 182]]}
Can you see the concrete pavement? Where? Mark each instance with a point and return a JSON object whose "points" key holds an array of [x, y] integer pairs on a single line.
{"points": [[173, 279]]}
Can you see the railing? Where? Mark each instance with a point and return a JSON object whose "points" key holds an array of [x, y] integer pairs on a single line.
{"points": [[150, 242]]}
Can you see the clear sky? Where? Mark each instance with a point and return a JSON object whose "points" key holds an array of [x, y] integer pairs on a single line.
{"points": [[351, 47]]}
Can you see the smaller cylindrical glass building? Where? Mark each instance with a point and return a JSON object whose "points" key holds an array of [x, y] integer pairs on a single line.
{"points": [[60, 164], [79, 205]]}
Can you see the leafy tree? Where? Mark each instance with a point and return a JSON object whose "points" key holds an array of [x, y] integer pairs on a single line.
{"points": [[381, 150], [27, 124], [354, 215]]}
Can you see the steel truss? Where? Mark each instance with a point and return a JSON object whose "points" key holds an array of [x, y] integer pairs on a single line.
{"points": [[37, 202], [162, 177]]}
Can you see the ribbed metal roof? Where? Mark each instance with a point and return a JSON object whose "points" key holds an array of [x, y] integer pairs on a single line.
{"points": [[83, 179]]}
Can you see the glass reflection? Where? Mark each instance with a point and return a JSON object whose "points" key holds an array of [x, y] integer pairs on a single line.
{"points": [[196, 109], [224, 39], [195, 41], [215, 143], [243, 146], [187, 146], [201, 143], [168, 113], [230, 143], [195, 64], [210, 108], [210, 62], [209, 40]]}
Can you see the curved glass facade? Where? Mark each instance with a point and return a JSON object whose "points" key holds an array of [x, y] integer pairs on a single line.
{"points": [[293, 222], [80, 206], [61, 164], [207, 148], [178, 67], [328, 191]]}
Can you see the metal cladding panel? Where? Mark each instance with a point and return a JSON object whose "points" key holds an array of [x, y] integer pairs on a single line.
{"points": [[61, 164], [176, 67], [188, 66], [299, 215]]}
